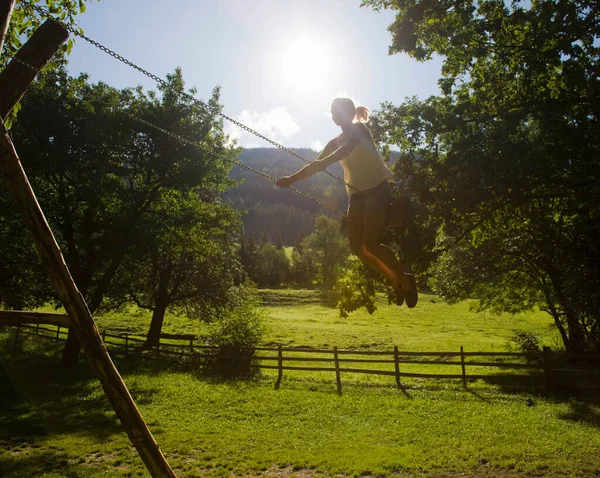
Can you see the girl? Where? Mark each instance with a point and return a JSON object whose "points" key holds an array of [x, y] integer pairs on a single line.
{"points": [[367, 184]]}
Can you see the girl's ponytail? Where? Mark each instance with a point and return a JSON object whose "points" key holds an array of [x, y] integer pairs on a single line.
{"points": [[361, 115]]}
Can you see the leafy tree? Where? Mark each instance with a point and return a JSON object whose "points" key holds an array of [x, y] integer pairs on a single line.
{"points": [[279, 241], [249, 256], [273, 266], [24, 283], [303, 270], [98, 172], [506, 158], [182, 259], [327, 249]]}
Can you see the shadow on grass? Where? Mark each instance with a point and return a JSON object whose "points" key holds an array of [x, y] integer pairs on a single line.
{"points": [[39, 398], [584, 402]]}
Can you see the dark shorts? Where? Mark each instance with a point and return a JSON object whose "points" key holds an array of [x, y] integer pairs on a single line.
{"points": [[378, 197]]}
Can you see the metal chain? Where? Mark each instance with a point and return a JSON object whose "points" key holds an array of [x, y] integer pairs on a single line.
{"points": [[205, 150], [159, 80], [25, 64]]}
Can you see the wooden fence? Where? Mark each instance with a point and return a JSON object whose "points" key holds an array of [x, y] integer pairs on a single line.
{"points": [[394, 362]]}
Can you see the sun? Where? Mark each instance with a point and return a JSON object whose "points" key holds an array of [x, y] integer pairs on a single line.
{"points": [[305, 66]]}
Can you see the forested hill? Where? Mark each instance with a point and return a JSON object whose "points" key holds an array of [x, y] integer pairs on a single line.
{"points": [[281, 211]]}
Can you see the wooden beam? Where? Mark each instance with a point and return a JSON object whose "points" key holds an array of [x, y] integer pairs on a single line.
{"points": [[36, 52], [81, 320], [6, 8], [17, 317]]}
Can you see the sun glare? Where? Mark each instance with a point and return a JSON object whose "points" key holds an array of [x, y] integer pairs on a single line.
{"points": [[305, 66]]}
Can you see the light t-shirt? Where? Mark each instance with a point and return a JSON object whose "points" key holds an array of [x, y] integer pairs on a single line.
{"points": [[364, 167]]}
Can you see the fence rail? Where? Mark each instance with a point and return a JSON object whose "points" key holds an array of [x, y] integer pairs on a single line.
{"points": [[380, 362]]}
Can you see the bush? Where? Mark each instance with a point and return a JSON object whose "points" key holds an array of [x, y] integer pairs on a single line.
{"points": [[525, 342], [235, 334]]}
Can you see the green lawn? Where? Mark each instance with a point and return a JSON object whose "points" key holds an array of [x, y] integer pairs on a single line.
{"points": [[57, 423]]}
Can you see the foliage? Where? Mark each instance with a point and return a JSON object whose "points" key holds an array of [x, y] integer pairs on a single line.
{"points": [[357, 289], [506, 158], [303, 269], [264, 264], [24, 283], [236, 332], [524, 342], [327, 249]]}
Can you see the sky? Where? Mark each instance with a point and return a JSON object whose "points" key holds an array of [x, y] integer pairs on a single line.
{"points": [[279, 63]]}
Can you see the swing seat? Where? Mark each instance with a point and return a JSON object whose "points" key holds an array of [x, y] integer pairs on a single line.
{"points": [[398, 212]]}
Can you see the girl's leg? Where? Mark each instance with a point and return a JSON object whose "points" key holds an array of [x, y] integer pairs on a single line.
{"points": [[379, 256], [364, 224]]}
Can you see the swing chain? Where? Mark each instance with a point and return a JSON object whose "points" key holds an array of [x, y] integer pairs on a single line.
{"points": [[213, 109], [235, 161]]}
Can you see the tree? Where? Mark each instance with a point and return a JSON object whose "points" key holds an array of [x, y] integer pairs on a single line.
{"points": [[98, 172], [182, 259], [508, 161], [327, 249], [279, 241], [24, 284], [273, 266]]}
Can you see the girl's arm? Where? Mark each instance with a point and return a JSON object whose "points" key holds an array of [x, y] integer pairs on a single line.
{"points": [[328, 156]]}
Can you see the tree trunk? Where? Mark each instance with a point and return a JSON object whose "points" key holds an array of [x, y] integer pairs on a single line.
{"points": [[576, 335], [161, 301], [158, 317]]}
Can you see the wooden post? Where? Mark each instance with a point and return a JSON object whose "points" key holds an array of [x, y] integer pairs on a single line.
{"points": [[57, 332], [103, 336], [397, 366], [191, 346], [338, 377], [547, 370], [37, 329], [6, 8], [14, 351], [279, 366], [13, 85], [462, 364]]}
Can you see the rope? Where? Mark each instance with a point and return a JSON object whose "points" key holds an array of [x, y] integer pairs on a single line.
{"points": [[215, 110]]}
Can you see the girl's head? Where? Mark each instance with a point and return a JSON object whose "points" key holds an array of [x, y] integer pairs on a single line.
{"points": [[343, 111]]}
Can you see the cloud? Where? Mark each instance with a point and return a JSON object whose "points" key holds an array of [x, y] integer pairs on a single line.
{"points": [[316, 146], [276, 124]]}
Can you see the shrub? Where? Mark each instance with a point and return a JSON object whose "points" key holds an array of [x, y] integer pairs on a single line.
{"points": [[235, 333]]}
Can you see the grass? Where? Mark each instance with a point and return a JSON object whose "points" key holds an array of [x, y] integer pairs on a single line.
{"points": [[246, 428]]}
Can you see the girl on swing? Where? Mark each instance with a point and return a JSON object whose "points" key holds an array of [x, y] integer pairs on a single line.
{"points": [[367, 181]]}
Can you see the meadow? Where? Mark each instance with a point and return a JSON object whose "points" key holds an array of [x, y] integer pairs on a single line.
{"points": [[57, 422]]}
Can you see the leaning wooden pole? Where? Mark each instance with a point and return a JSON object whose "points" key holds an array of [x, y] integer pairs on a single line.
{"points": [[13, 175], [6, 8]]}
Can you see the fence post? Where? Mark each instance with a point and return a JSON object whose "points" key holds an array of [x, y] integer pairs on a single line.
{"points": [[338, 378], [397, 366], [103, 336], [14, 351], [462, 364], [191, 346], [547, 372], [126, 344], [279, 366], [37, 329]]}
